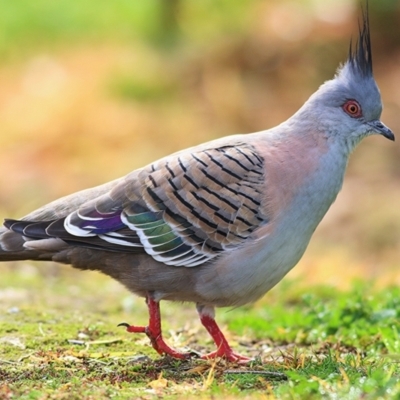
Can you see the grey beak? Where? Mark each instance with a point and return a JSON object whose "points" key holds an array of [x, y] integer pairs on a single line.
{"points": [[378, 127]]}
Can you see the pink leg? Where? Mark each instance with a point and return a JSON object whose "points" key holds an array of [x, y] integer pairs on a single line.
{"points": [[153, 331], [223, 348]]}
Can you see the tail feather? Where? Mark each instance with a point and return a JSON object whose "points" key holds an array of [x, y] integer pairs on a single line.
{"points": [[12, 248], [11, 241]]}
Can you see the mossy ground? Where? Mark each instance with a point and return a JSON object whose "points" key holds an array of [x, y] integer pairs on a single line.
{"points": [[59, 339]]}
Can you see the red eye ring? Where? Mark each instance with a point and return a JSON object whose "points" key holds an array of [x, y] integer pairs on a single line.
{"points": [[352, 108]]}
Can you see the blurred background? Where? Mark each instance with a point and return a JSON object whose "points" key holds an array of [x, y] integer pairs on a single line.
{"points": [[91, 90]]}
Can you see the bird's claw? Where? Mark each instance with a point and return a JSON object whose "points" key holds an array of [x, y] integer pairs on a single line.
{"points": [[133, 328], [157, 341]]}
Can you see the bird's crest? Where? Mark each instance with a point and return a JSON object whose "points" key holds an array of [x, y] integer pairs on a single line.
{"points": [[360, 57]]}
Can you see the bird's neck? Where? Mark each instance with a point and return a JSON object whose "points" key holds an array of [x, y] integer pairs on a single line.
{"points": [[302, 165]]}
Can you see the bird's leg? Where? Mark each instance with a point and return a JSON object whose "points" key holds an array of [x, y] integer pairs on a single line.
{"points": [[207, 315], [153, 331]]}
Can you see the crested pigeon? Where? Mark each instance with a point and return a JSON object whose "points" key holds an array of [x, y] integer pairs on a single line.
{"points": [[218, 224]]}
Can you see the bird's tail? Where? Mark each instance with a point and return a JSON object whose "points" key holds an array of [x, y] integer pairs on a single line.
{"points": [[12, 248]]}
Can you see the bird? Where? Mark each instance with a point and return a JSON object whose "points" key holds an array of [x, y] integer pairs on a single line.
{"points": [[218, 224]]}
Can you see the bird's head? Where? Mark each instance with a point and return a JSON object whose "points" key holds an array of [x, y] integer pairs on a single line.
{"points": [[349, 106]]}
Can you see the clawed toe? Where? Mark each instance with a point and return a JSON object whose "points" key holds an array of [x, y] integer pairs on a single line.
{"points": [[157, 341], [133, 328], [229, 356]]}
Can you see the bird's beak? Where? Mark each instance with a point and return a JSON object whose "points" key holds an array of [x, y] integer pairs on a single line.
{"points": [[378, 127]]}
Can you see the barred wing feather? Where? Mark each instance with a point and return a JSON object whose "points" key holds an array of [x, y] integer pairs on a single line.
{"points": [[183, 210]]}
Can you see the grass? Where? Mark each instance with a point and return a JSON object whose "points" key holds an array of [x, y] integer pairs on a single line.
{"points": [[59, 340]]}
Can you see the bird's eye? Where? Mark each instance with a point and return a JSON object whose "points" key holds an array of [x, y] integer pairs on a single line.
{"points": [[352, 108]]}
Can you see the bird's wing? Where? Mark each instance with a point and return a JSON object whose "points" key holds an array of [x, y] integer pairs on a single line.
{"points": [[183, 210]]}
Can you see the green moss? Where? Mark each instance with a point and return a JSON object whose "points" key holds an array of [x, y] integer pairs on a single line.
{"points": [[317, 342]]}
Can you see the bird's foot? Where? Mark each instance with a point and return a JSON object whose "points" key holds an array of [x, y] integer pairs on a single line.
{"points": [[157, 341], [223, 348], [229, 355], [153, 332]]}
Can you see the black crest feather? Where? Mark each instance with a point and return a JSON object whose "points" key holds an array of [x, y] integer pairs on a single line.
{"points": [[360, 58]]}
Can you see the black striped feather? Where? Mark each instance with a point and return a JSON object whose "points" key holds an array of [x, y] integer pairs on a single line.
{"points": [[184, 210]]}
